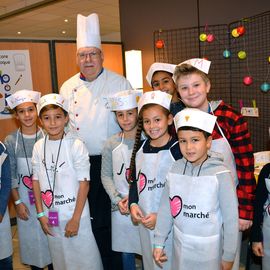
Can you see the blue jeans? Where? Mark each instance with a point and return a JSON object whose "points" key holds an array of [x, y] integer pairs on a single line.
{"points": [[6, 264], [128, 260]]}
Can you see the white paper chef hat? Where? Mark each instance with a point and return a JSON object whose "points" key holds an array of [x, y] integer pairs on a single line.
{"points": [[55, 99], [124, 100], [196, 118], [199, 63], [22, 96], [88, 33], [155, 97], [159, 67]]}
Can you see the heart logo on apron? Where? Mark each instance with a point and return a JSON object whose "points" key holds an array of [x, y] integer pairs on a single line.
{"points": [[27, 181], [142, 182], [47, 198], [176, 206]]}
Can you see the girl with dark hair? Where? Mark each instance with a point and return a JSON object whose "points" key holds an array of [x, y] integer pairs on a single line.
{"points": [[150, 163]]}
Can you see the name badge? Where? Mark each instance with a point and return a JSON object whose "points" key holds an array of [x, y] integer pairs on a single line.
{"points": [[31, 197], [53, 217]]}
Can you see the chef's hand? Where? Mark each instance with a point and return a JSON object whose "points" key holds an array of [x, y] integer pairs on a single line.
{"points": [[44, 222], [226, 265], [159, 256], [136, 213], [72, 227], [123, 206], [244, 224], [22, 211], [149, 221], [257, 248]]}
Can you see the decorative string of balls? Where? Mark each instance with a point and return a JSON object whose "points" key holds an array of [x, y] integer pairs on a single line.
{"points": [[236, 33]]}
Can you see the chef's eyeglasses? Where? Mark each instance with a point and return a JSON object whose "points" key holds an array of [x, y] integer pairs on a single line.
{"points": [[92, 55]]}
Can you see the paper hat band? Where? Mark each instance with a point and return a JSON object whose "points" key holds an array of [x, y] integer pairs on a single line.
{"points": [[124, 100], [199, 63], [22, 96], [195, 118], [155, 97], [88, 33], [159, 67], [49, 99]]}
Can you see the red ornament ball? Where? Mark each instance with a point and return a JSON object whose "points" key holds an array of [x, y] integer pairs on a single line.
{"points": [[248, 80], [241, 30], [210, 38], [160, 44]]}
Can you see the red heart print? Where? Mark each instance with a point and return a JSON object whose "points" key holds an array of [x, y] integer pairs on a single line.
{"points": [[27, 181], [142, 182], [176, 206], [47, 198]]}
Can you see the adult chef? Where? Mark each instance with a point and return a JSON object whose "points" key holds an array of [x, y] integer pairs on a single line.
{"points": [[86, 93]]}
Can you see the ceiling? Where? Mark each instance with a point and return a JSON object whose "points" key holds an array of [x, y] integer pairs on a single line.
{"points": [[45, 19]]}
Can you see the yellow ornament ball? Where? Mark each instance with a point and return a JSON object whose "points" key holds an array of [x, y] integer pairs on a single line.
{"points": [[235, 34], [203, 37], [242, 55], [269, 59]]}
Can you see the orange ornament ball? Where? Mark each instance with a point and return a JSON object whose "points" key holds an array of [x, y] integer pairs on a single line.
{"points": [[241, 30], [160, 44]]}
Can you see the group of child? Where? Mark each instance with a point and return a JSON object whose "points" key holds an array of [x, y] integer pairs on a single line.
{"points": [[171, 180]]}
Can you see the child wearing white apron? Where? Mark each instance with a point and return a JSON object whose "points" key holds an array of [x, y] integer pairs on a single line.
{"points": [[114, 175], [153, 160], [61, 183], [230, 136], [260, 235], [199, 201], [33, 243], [5, 229]]}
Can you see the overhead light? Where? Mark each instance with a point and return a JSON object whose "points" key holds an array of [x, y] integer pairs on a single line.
{"points": [[134, 68], [19, 32], [64, 32], [65, 20]]}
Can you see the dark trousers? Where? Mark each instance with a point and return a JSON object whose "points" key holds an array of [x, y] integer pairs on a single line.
{"points": [[100, 209]]}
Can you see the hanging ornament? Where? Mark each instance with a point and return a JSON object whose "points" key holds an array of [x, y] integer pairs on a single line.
{"points": [[269, 59], [242, 55], [241, 30], [235, 33], [210, 38], [203, 37], [160, 44], [248, 80], [265, 87], [226, 53]]}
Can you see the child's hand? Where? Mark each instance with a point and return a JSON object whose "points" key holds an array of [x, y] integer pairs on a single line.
{"points": [[257, 248], [123, 206], [22, 211], [136, 213], [244, 224], [149, 221], [44, 222], [159, 256], [72, 228], [226, 265]]}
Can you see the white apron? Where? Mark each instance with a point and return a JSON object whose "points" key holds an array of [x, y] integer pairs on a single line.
{"points": [[223, 147], [152, 169], [34, 249], [63, 249], [5, 229], [197, 222], [266, 231], [125, 235]]}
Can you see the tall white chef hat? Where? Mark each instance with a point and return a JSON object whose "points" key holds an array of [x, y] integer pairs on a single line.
{"points": [[199, 63], [22, 96], [124, 100], [88, 33], [196, 118], [55, 99], [159, 67], [155, 97]]}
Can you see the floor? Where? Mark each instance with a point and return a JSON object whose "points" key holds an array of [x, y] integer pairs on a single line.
{"points": [[18, 266]]}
